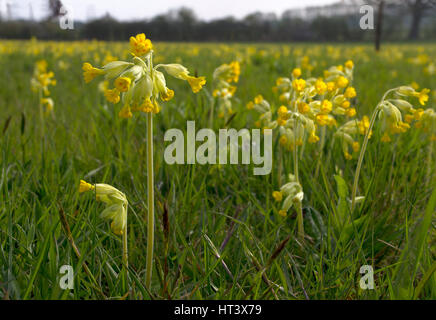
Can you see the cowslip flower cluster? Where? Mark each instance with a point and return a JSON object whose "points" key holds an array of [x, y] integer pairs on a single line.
{"points": [[138, 84], [223, 77], [291, 193], [308, 104], [40, 82], [392, 110], [115, 200]]}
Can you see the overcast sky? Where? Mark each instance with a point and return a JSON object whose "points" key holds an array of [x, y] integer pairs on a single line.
{"points": [[140, 9]]}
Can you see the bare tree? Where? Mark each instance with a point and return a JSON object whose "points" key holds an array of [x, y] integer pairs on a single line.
{"points": [[381, 7], [379, 25], [54, 7], [419, 9]]}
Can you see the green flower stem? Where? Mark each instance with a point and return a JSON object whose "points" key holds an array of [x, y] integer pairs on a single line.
{"points": [[298, 205], [150, 189], [296, 154], [125, 251], [41, 113], [125, 259], [300, 225]]}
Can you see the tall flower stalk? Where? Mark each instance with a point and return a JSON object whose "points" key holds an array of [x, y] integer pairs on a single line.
{"points": [[150, 195], [392, 122], [298, 206], [139, 85]]}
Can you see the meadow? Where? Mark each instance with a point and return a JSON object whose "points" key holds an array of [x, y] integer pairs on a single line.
{"points": [[220, 231]]}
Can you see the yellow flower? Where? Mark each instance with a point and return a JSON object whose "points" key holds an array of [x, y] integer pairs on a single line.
{"points": [[403, 126], [422, 96], [350, 92], [109, 58], [342, 82], [89, 72], [418, 113], [303, 107], [296, 73], [414, 85], [280, 81], [349, 64], [386, 138], [351, 112], [277, 195], [281, 121], [331, 86], [363, 125], [345, 104], [299, 84], [283, 140], [258, 99], [49, 104], [250, 105], [356, 146], [41, 78], [409, 118], [283, 112], [125, 112], [156, 107], [85, 186], [231, 90], [326, 106], [139, 45], [167, 95], [196, 83], [320, 87], [41, 66], [283, 213], [116, 202], [348, 156], [235, 71], [147, 106], [122, 84], [313, 138], [322, 119], [112, 95]]}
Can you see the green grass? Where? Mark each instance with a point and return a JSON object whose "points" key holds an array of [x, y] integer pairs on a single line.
{"points": [[223, 225]]}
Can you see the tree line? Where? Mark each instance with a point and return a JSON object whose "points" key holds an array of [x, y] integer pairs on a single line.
{"points": [[398, 20]]}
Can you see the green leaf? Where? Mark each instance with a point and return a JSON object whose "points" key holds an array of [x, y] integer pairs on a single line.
{"points": [[342, 207]]}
